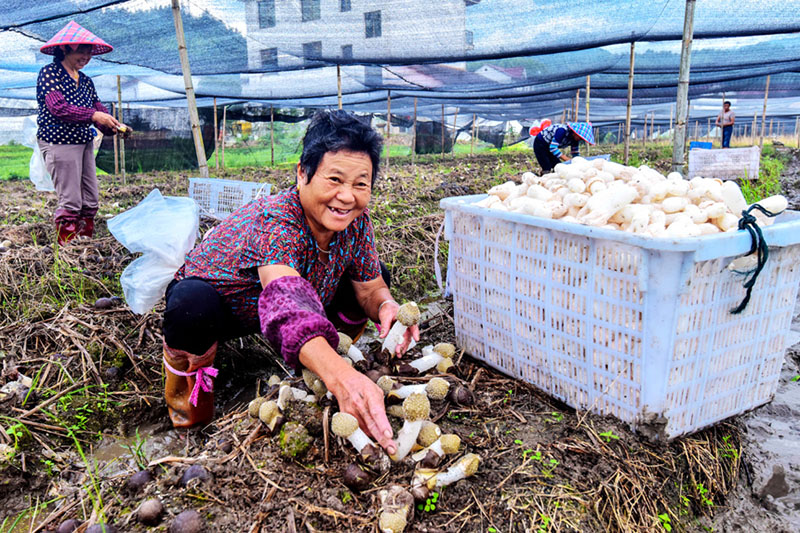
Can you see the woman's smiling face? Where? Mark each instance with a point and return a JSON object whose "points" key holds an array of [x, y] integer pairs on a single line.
{"points": [[338, 192]]}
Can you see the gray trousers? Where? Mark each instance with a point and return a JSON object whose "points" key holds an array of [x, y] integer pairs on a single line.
{"points": [[74, 178]]}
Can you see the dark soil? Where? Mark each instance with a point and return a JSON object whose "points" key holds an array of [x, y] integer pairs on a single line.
{"points": [[97, 387]]}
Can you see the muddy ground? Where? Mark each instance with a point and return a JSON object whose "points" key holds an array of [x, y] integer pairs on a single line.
{"points": [[94, 414]]}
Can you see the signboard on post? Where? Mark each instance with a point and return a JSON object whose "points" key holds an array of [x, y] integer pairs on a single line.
{"points": [[727, 164]]}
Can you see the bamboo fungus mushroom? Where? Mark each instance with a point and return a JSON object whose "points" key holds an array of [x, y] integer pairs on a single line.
{"points": [[432, 455], [428, 434], [416, 409], [397, 508], [345, 425], [271, 416], [431, 358], [436, 389], [347, 349], [407, 316], [254, 406], [428, 479]]}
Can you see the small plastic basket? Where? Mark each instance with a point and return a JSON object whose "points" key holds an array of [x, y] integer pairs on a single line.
{"points": [[218, 198], [620, 324]]}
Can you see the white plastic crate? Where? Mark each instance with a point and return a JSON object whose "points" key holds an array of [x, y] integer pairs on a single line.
{"points": [[621, 324], [728, 163], [218, 198]]}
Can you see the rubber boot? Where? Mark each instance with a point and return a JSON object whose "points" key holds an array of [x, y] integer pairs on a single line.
{"points": [[67, 230], [86, 227], [178, 388]]}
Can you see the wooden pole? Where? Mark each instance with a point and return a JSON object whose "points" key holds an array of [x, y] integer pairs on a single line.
{"points": [[754, 128], [577, 104], [472, 137], [652, 124], [200, 150], [339, 85], [764, 116], [619, 132], [708, 129], [121, 140], [442, 130], [770, 127], [628, 110], [388, 124], [414, 138], [797, 130], [644, 132], [588, 86], [455, 131], [682, 104], [222, 133], [272, 135], [116, 144], [216, 141]]}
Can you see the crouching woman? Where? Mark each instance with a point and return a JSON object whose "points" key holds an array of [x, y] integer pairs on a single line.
{"points": [[296, 266]]}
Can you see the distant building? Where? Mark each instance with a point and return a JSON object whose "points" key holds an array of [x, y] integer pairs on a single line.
{"points": [[502, 75], [286, 34]]}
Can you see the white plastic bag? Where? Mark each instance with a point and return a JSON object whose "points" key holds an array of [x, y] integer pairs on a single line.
{"points": [[37, 169], [164, 229]]}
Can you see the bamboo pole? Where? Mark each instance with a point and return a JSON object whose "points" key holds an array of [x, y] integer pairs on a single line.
{"points": [[644, 132], [619, 132], [121, 140], [577, 104], [588, 85], [770, 127], [628, 109], [414, 138], [652, 123], [754, 127], [200, 150], [797, 130], [216, 143], [764, 116], [442, 130], [455, 131], [472, 137], [339, 85], [116, 145], [708, 129], [682, 104], [388, 125], [222, 133], [696, 130], [271, 135]]}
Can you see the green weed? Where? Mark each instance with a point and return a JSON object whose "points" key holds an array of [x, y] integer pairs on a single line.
{"points": [[609, 435], [665, 522], [430, 504]]}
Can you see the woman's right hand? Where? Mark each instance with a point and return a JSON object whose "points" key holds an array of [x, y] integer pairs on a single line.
{"points": [[363, 399], [104, 119]]}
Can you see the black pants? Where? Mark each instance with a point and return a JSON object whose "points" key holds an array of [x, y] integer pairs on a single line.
{"points": [[196, 316], [544, 156]]}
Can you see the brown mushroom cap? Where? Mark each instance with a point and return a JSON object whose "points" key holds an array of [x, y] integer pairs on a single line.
{"points": [[254, 406], [344, 424], [445, 349], [356, 478], [267, 411], [416, 407], [386, 384], [428, 434], [344, 343], [408, 314], [444, 365], [437, 388], [450, 443], [470, 463]]}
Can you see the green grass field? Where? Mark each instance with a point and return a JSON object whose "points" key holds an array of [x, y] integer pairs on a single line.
{"points": [[14, 161]]}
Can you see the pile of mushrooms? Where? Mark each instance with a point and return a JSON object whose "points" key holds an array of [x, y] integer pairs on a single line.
{"points": [[639, 200], [421, 445]]}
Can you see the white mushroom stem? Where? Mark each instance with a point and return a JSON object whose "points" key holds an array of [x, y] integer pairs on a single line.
{"points": [[355, 354], [462, 469], [435, 389], [416, 409], [429, 359], [446, 444], [395, 337]]}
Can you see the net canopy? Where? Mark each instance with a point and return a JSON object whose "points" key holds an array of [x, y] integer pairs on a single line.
{"points": [[498, 59]]}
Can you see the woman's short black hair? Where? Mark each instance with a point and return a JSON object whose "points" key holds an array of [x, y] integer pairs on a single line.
{"points": [[59, 54], [331, 131]]}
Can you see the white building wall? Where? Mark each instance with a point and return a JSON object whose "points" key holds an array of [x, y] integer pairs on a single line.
{"points": [[408, 27]]}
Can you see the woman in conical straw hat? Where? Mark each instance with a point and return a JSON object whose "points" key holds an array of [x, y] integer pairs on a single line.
{"points": [[68, 106], [550, 141]]}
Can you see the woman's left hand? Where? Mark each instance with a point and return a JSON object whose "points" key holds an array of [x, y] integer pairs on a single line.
{"points": [[387, 315]]}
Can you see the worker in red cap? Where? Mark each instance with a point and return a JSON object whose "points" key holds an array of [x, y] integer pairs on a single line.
{"points": [[68, 106]]}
